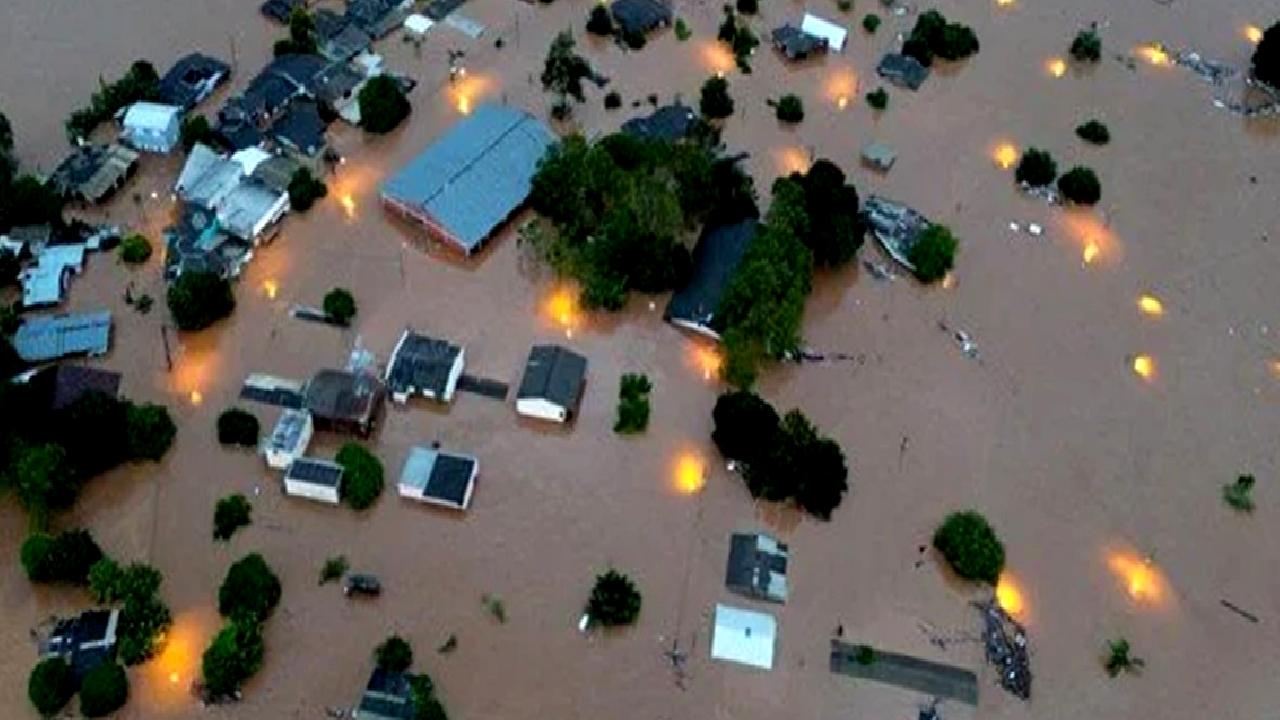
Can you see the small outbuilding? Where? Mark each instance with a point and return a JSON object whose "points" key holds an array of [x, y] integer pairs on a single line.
{"points": [[49, 337], [152, 127], [551, 389], [289, 439], [902, 70], [84, 641], [425, 366], [439, 477], [93, 172], [344, 401], [640, 17], [418, 25], [757, 567], [57, 386], [387, 696], [670, 123], [832, 33], [744, 636], [796, 44], [314, 479], [879, 156]]}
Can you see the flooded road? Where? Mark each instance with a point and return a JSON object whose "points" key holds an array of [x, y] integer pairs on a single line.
{"points": [[1086, 469]]}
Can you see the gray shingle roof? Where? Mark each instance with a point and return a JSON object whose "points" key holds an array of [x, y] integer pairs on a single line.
{"points": [[554, 373], [475, 175], [902, 70], [757, 567], [315, 472], [52, 337]]}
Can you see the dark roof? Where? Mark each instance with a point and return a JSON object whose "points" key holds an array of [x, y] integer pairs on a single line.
{"points": [[715, 258], [902, 70], [315, 471], [376, 17], [71, 635], [300, 127], [344, 396], [276, 172], [421, 363], [236, 128], [345, 43], [796, 43], [60, 385], [450, 478], [198, 243], [329, 23], [387, 696], [669, 123], [335, 83], [191, 79], [282, 79], [554, 373], [640, 16], [93, 171], [751, 567], [279, 10]]}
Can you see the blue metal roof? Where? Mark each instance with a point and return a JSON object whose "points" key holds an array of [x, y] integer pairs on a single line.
{"points": [[475, 175], [53, 336]]}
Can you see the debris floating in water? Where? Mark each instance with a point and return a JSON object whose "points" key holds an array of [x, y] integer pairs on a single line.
{"points": [[1006, 647]]}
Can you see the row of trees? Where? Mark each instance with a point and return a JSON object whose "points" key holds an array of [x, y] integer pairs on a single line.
{"points": [[783, 459], [141, 82], [104, 690], [1079, 185], [247, 597]]}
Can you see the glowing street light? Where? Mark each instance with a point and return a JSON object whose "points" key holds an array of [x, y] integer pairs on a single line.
{"points": [[842, 102], [464, 105], [1005, 155], [174, 677], [1155, 54], [709, 361], [348, 205], [1091, 252], [1057, 67], [1253, 34], [196, 397], [1150, 305], [269, 288], [1144, 366], [690, 474], [1009, 595], [1142, 579], [1004, 3]]}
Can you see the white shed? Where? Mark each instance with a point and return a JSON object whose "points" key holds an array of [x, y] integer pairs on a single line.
{"points": [[152, 127], [551, 388], [834, 34], [417, 24], [744, 636], [314, 479], [289, 439]]}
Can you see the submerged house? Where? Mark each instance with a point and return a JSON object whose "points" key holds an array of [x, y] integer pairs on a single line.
{"points": [[288, 440], [473, 178], [49, 337], [314, 479], [552, 385], [425, 366], [199, 243], [84, 641], [640, 17], [192, 78], [245, 208], [831, 33], [93, 172], [796, 44], [670, 123], [57, 386], [387, 696], [745, 637], [439, 478], [45, 282], [902, 70], [896, 226], [244, 118], [757, 567], [151, 126], [343, 401], [378, 17], [715, 258], [300, 134], [878, 156]]}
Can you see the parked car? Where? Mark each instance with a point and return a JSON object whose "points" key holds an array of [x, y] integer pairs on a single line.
{"points": [[358, 584]]}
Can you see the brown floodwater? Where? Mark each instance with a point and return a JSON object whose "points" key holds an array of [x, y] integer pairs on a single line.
{"points": [[1105, 486]]}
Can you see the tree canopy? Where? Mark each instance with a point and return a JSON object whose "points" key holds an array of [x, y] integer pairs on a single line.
{"points": [[562, 74], [600, 21], [714, 102], [340, 305], [1087, 46], [305, 189], [50, 686], [62, 558], [238, 427], [230, 514], [1093, 132], [199, 299], [141, 82], [362, 476], [970, 546], [135, 249], [835, 226], [104, 690], [250, 591], [934, 253], [789, 109], [1080, 185], [633, 404], [933, 35], [744, 425], [614, 600], [195, 129], [234, 656], [149, 431], [1036, 168], [394, 654], [1266, 57], [383, 105]]}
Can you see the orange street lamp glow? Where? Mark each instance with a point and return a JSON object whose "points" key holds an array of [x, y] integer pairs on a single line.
{"points": [[173, 678], [348, 205], [1155, 54], [690, 477], [1091, 251], [1004, 3], [1057, 67], [269, 288], [1142, 580], [464, 105], [842, 102], [1144, 366], [196, 397], [1253, 34], [1005, 156], [1150, 305], [1010, 596], [709, 361]]}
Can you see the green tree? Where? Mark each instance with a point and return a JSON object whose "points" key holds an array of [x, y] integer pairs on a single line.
{"points": [[633, 404], [250, 591], [199, 299], [871, 23], [1093, 132], [144, 621], [933, 254], [1120, 659], [238, 427], [135, 249], [305, 189], [789, 109], [51, 686], [600, 21], [340, 305], [745, 426], [42, 480], [878, 99], [104, 580], [196, 130], [383, 105], [822, 477], [970, 546], [715, 102], [614, 600], [233, 657], [64, 558], [301, 40], [1080, 185], [834, 224], [933, 36], [1239, 494], [1266, 57], [230, 514], [104, 690], [748, 7], [1087, 46], [394, 654], [93, 430], [1036, 168], [362, 476], [30, 201], [149, 431], [562, 74]]}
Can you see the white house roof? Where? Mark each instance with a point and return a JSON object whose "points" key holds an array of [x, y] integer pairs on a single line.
{"points": [[418, 24], [744, 636], [150, 115], [250, 158], [206, 178], [245, 206], [834, 34]]}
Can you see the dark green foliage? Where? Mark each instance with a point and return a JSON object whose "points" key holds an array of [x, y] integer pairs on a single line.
{"points": [[738, 36], [934, 36], [135, 249], [305, 189], [633, 404], [237, 427], [250, 591], [62, 558], [30, 201], [195, 130], [844, 5], [970, 546], [1037, 168], [104, 690], [1119, 658], [1094, 132], [426, 706], [634, 40], [301, 40], [1239, 494], [745, 426], [394, 655], [9, 267], [362, 476], [835, 227], [1080, 185], [614, 600], [93, 431], [233, 657], [934, 253], [563, 73], [1266, 57], [748, 7], [42, 479], [714, 102], [600, 22], [333, 569], [230, 514], [495, 606], [612, 101], [383, 105], [878, 99], [199, 299], [51, 686], [1087, 46], [871, 23], [149, 431], [682, 30], [140, 83], [340, 305], [789, 109], [728, 27], [143, 623]]}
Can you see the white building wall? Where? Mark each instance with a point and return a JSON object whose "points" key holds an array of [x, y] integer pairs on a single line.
{"points": [[541, 409], [455, 372], [321, 493]]}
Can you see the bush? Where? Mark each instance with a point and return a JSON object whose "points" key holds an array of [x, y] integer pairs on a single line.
{"points": [[600, 21], [1266, 57], [970, 546], [789, 109], [426, 705], [682, 30], [199, 299], [149, 431], [865, 655], [382, 105], [715, 102], [233, 657], [1094, 132], [196, 130], [934, 253], [1119, 658], [394, 655], [634, 40], [362, 475], [878, 99], [50, 686], [141, 82], [333, 569], [612, 100], [250, 591], [1239, 494], [104, 690], [834, 230], [1080, 186], [748, 7], [135, 249], [305, 189], [871, 23], [1036, 168], [1087, 46], [614, 600], [108, 582], [230, 514], [237, 427], [64, 558], [633, 404], [800, 465], [844, 5], [745, 426], [340, 306]]}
